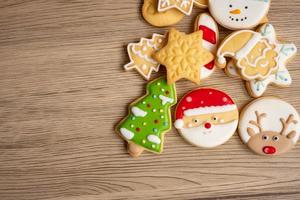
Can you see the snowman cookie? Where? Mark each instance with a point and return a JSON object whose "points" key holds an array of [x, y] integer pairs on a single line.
{"points": [[206, 117], [205, 23], [269, 126]]}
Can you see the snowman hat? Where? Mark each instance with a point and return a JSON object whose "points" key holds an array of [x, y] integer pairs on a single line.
{"points": [[203, 101], [237, 45]]}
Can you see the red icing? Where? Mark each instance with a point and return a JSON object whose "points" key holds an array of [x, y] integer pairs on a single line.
{"points": [[269, 150], [210, 65], [208, 34], [204, 97], [207, 125]]}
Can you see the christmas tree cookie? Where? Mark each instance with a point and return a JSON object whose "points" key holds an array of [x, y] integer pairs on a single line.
{"points": [[149, 118]]}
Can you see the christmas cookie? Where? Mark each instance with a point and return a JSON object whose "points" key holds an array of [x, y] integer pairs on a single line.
{"points": [[184, 6], [256, 54], [269, 126], [258, 57], [206, 117], [239, 14], [149, 118], [140, 55], [160, 19], [201, 3], [208, 26], [184, 56]]}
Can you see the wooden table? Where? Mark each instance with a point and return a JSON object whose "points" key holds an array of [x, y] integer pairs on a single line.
{"points": [[63, 89]]}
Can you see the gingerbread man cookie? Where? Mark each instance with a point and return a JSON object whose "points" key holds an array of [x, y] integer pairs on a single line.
{"points": [[149, 118], [140, 55], [206, 117], [269, 126]]}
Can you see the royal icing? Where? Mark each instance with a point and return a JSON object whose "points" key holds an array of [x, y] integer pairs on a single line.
{"points": [[269, 126], [208, 26], [140, 55], [149, 117], [185, 6], [239, 14], [256, 54], [206, 117]]}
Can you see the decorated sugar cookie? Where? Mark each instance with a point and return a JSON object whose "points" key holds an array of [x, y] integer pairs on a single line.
{"points": [[140, 55], [205, 23], [149, 118], [185, 6], [256, 54], [206, 117], [160, 19], [257, 88], [201, 3], [239, 14], [269, 126], [184, 56]]}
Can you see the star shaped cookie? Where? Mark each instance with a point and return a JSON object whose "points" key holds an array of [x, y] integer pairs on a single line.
{"points": [[183, 56], [185, 6]]}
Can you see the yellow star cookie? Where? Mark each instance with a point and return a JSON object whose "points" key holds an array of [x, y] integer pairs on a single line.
{"points": [[183, 56]]}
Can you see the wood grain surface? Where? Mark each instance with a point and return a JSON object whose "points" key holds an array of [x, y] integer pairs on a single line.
{"points": [[63, 89]]}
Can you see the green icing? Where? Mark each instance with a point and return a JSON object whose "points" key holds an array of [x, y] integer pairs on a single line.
{"points": [[150, 117]]}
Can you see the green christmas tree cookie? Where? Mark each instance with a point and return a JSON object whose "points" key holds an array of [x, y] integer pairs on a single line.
{"points": [[149, 118]]}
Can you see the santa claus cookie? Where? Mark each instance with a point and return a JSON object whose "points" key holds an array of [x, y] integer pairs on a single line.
{"points": [[269, 126], [206, 117], [239, 14], [205, 23]]}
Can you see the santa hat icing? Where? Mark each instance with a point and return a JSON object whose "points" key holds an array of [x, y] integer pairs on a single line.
{"points": [[203, 101]]}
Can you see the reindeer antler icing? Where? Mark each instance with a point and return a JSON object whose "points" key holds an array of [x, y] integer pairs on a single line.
{"points": [[258, 120], [285, 124]]}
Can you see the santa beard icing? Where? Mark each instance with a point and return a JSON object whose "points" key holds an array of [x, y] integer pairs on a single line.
{"points": [[209, 138], [239, 14]]}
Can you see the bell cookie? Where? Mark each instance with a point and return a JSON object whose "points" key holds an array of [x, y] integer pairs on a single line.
{"points": [[160, 19], [239, 14], [184, 6], [269, 126], [207, 24], [206, 117], [149, 118], [183, 56], [140, 55]]}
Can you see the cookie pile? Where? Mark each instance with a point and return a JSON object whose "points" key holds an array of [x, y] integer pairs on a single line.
{"points": [[207, 117]]}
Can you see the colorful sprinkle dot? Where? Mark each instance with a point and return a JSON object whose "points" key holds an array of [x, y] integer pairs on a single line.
{"points": [[138, 129], [162, 116], [154, 96], [144, 141], [156, 121], [131, 125], [154, 110], [155, 130], [153, 146], [144, 123], [161, 110], [133, 118], [144, 102], [189, 99], [166, 123], [158, 83], [162, 89], [149, 105]]}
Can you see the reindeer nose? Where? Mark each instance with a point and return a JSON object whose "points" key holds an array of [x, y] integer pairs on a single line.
{"points": [[235, 12], [207, 125], [269, 150]]}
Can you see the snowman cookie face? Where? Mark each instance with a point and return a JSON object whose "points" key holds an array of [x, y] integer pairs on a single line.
{"points": [[239, 14], [269, 126], [206, 117]]}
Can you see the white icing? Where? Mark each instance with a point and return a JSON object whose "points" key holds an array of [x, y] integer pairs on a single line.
{"points": [[164, 5], [138, 112], [275, 109], [165, 99], [179, 123], [252, 16], [209, 110], [127, 134], [154, 139], [215, 136]]}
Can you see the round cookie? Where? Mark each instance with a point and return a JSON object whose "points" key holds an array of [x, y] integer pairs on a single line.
{"points": [[206, 117], [160, 19], [269, 126], [239, 14]]}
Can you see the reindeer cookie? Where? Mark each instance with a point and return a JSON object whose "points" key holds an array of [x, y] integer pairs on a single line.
{"points": [[269, 126]]}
